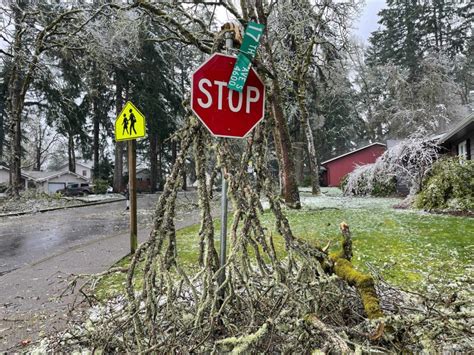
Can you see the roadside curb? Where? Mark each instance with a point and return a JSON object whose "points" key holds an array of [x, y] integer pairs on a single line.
{"points": [[86, 204]]}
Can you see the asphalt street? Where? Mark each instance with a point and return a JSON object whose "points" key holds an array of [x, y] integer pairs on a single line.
{"points": [[29, 238], [38, 252]]}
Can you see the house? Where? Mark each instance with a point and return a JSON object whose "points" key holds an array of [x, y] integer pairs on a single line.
{"points": [[83, 168], [52, 181], [336, 168], [143, 180], [459, 141], [5, 176]]}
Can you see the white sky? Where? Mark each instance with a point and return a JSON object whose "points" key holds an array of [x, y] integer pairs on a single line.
{"points": [[367, 22]]}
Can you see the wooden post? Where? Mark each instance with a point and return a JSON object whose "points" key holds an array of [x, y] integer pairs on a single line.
{"points": [[132, 184]]}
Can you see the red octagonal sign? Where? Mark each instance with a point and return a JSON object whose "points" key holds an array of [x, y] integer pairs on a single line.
{"points": [[226, 113]]}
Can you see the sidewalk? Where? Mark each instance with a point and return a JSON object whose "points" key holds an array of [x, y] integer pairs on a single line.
{"points": [[29, 308], [86, 201]]}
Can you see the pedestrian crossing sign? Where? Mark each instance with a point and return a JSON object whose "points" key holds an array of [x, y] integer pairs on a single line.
{"points": [[130, 124]]}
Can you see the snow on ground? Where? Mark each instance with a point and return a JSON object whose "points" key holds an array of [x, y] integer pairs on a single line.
{"points": [[332, 198], [97, 198], [33, 205], [30, 203]]}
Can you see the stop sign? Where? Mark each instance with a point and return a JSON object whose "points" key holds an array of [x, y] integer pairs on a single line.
{"points": [[226, 113]]}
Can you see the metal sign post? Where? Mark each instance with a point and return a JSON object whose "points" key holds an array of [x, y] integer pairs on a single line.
{"points": [[223, 239], [226, 112], [223, 250]]}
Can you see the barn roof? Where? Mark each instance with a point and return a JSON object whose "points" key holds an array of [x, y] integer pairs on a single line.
{"points": [[352, 152]]}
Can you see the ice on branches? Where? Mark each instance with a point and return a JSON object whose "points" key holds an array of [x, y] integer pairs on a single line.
{"points": [[406, 163]]}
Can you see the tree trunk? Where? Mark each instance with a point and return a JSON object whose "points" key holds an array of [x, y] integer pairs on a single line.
{"points": [[19, 83], [38, 147], [15, 108], [160, 164], [299, 150], [153, 139], [184, 176], [71, 155], [119, 149], [15, 151], [289, 186], [312, 157], [95, 142], [173, 152]]}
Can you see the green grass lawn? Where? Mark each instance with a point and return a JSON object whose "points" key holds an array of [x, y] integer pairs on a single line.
{"points": [[406, 247], [410, 248]]}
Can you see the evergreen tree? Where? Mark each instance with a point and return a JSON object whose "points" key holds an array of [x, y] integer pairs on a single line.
{"points": [[399, 40], [411, 29], [67, 106], [156, 91]]}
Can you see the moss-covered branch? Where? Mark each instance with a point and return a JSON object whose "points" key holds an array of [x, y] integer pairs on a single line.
{"points": [[363, 282]]}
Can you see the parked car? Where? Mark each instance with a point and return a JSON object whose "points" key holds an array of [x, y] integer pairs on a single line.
{"points": [[76, 190]]}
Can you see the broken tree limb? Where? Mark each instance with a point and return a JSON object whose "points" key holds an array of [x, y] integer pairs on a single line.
{"points": [[364, 283]]}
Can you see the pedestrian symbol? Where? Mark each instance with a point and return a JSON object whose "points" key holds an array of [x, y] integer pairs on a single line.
{"points": [[130, 124]]}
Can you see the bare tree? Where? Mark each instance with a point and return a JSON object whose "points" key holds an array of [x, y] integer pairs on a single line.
{"points": [[195, 31], [42, 141], [33, 31]]}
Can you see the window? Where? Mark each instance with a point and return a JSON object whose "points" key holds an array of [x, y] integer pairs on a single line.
{"points": [[84, 172], [462, 149]]}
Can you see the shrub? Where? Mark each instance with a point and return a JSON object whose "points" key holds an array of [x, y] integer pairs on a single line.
{"points": [[450, 185], [409, 161], [369, 180], [3, 187], [100, 186]]}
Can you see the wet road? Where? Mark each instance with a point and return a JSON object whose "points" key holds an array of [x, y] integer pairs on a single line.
{"points": [[31, 238], [38, 254]]}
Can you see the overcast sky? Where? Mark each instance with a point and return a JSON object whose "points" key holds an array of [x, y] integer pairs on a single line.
{"points": [[367, 22]]}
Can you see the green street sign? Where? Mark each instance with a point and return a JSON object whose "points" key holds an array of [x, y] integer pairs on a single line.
{"points": [[248, 50]]}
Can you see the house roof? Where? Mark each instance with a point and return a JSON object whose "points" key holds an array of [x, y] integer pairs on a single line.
{"points": [[40, 176], [2, 167], [142, 170], [459, 130], [81, 163], [352, 152]]}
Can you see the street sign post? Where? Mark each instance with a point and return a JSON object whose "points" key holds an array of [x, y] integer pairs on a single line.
{"points": [[224, 112], [129, 126], [247, 53]]}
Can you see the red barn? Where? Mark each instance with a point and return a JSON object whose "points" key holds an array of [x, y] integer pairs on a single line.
{"points": [[338, 167]]}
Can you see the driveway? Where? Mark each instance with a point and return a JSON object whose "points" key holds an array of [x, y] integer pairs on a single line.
{"points": [[38, 252]]}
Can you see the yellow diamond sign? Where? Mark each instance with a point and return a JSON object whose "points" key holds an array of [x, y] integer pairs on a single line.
{"points": [[130, 124]]}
